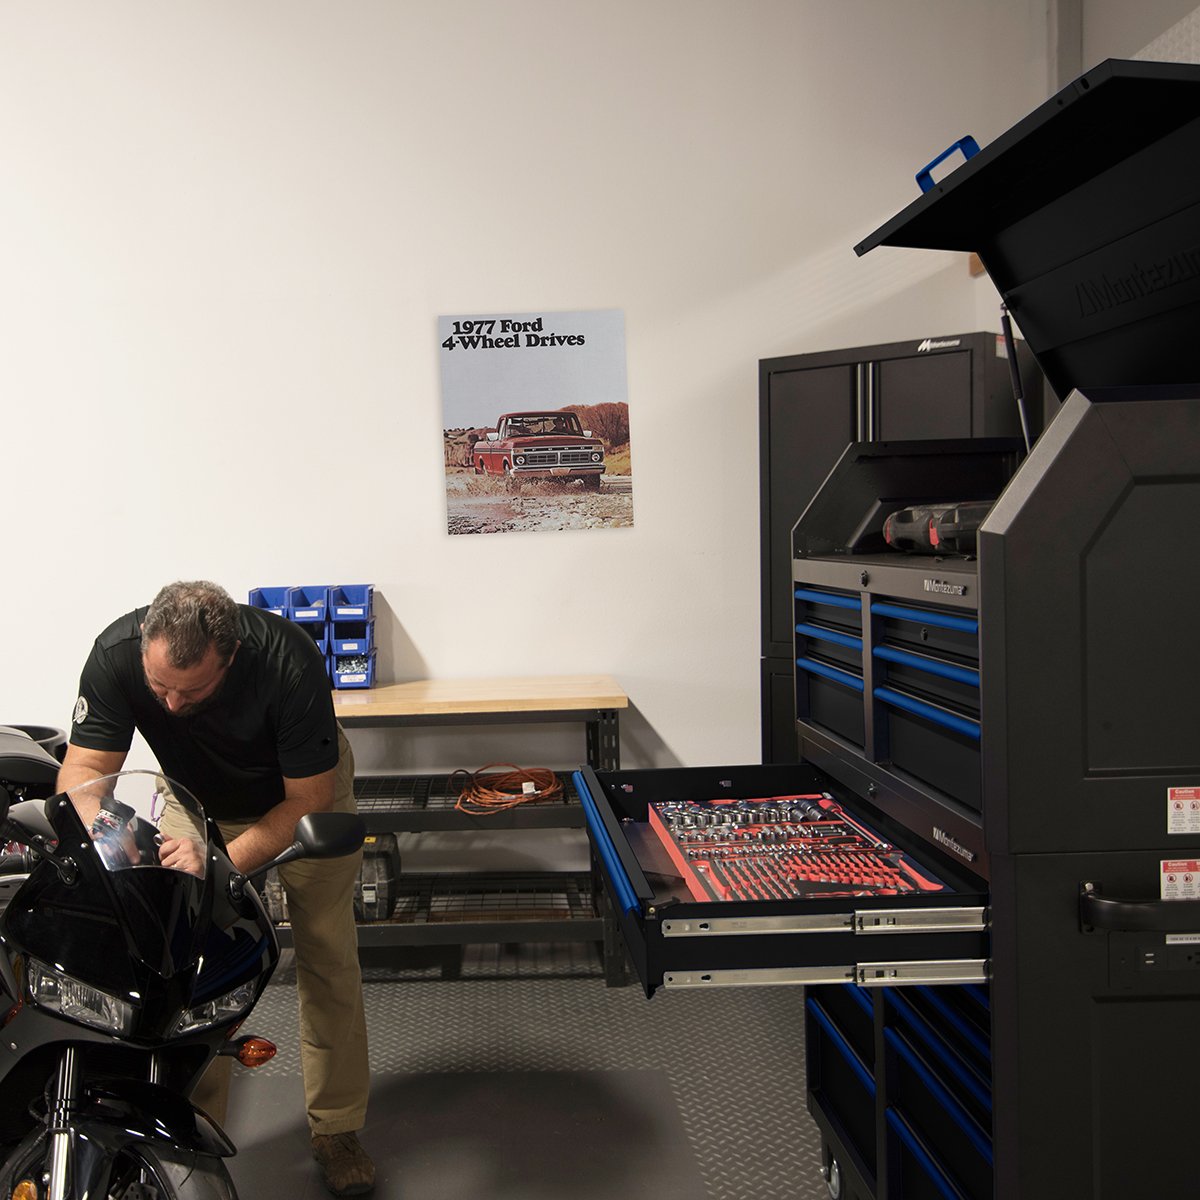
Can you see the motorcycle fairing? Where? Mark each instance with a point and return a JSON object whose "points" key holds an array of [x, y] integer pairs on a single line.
{"points": [[185, 1148], [139, 1109]]}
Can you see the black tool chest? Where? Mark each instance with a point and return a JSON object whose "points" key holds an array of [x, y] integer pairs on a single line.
{"points": [[810, 405], [1020, 721]]}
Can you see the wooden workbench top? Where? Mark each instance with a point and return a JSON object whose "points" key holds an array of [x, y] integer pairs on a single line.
{"points": [[448, 697]]}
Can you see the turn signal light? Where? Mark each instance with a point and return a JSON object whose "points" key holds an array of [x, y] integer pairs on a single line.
{"points": [[254, 1051], [25, 1190]]}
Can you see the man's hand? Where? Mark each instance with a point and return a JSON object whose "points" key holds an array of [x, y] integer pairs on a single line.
{"points": [[182, 854]]}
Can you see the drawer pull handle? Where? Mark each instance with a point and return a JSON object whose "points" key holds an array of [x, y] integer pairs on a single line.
{"points": [[1137, 916], [939, 716]]}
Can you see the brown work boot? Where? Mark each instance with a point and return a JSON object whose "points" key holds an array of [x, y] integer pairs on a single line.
{"points": [[347, 1167]]}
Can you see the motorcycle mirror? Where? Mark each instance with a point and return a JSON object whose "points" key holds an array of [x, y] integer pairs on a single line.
{"points": [[319, 835], [329, 834]]}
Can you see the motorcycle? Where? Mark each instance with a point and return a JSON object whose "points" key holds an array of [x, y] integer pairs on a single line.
{"points": [[122, 978]]}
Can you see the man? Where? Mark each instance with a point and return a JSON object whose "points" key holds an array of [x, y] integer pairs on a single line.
{"points": [[236, 706]]}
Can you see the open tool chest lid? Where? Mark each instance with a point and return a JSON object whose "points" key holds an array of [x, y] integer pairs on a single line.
{"points": [[1086, 215]]}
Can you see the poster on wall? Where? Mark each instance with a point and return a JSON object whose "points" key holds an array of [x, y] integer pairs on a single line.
{"points": [[535, 419]]}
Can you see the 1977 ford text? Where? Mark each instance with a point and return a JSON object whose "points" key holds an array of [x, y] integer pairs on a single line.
{"points": [[488, 333]]}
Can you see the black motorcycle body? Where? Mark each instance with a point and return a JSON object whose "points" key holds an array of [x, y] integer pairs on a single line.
{"points": [[120, 980]]}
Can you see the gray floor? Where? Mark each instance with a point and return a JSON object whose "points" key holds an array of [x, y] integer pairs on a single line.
{"points": [[513, 1073]]}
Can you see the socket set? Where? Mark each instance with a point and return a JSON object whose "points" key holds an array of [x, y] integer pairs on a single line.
{"points": [[782, 848]]}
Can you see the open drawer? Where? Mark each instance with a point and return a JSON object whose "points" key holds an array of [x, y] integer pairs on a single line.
{"points": [[733, 876]]}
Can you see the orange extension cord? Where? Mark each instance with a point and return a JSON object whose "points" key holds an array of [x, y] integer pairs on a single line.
{"points": [[484, 793]]}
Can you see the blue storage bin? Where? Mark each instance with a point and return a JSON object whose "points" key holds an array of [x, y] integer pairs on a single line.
{"points": [[273, 599], [353, 670], [308, 603], [352, 637], [351, 601]]}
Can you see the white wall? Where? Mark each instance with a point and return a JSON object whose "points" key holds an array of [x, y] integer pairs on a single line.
{"points": [[226, 230], [1118, 29]]}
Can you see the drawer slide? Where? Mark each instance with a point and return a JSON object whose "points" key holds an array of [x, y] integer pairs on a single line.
{"points": [[867, 921], [879, 974]]}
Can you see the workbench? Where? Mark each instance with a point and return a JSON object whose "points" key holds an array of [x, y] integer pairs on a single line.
{"points": [[498, 906], [596, 700]]}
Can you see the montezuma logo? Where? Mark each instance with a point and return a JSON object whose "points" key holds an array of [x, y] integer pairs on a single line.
{"points": [[942, 588], [932, 344], [1107, 291], [940, 835]]}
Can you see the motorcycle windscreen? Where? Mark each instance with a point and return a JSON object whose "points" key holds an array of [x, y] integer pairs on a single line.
{"points": [[126, 903]]}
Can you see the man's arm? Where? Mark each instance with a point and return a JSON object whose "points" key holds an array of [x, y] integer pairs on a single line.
{"points": [[276, 830], [81, 765]]}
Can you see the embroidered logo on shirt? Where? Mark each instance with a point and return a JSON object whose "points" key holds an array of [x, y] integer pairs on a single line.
{"points": [[81, 711]]}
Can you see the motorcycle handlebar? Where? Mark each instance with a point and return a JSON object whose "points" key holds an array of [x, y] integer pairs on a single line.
{"points": [[15, 864]]}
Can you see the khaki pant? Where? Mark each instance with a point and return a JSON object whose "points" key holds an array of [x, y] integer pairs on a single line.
{"points": [[333, 1028]]}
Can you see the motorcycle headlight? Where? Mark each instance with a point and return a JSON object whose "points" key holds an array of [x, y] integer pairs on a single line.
{"points": [[81, 1002], [224, 1008]]}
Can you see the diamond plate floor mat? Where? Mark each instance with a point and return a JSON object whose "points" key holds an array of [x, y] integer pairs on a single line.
{"points": [[515, 1072]]}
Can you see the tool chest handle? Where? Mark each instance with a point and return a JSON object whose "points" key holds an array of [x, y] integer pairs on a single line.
{"points": [[604, 845], [1137, 916], [969, 147]]}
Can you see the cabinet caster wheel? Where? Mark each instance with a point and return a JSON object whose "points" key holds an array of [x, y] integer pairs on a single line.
{"points": [[832, 1175]]}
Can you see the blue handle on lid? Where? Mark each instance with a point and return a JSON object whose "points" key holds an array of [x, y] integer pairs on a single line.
{"points": [[969, 147]]}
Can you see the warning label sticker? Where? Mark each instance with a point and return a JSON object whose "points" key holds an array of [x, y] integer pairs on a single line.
{"points": [[1183, 810], [1180, 878]]}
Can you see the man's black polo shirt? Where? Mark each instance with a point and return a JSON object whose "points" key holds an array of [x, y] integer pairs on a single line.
{"points": [[272, 716]]}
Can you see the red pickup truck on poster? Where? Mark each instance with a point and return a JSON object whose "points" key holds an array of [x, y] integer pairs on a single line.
{"points": [[534, 445]]}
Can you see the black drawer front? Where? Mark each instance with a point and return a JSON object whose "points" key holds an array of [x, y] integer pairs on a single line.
{"points": [[839, 929], [927, 698], [831, 704], [841, 1077], [926, 631], [951, 694], [955, 1054], [901, 685], [925, 1114], [943, 758], [829, 662]]}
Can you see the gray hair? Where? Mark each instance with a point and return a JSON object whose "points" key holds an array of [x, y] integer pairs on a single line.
{"points": [[191, 617]]}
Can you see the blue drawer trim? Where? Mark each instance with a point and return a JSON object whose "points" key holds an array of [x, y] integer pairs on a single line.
{"points": [[952, 1018], [945, 1055], [828, 635], [829, 598], [922, 617], [939, 716], [900, 1127], [861, 998], [978, 995], [626, 896], [931, 666], [981, 1142], [819, 668], [842, 1046]]}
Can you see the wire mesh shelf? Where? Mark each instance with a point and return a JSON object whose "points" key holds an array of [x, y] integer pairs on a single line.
{"points": [[495, 907], [416, 802]]}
